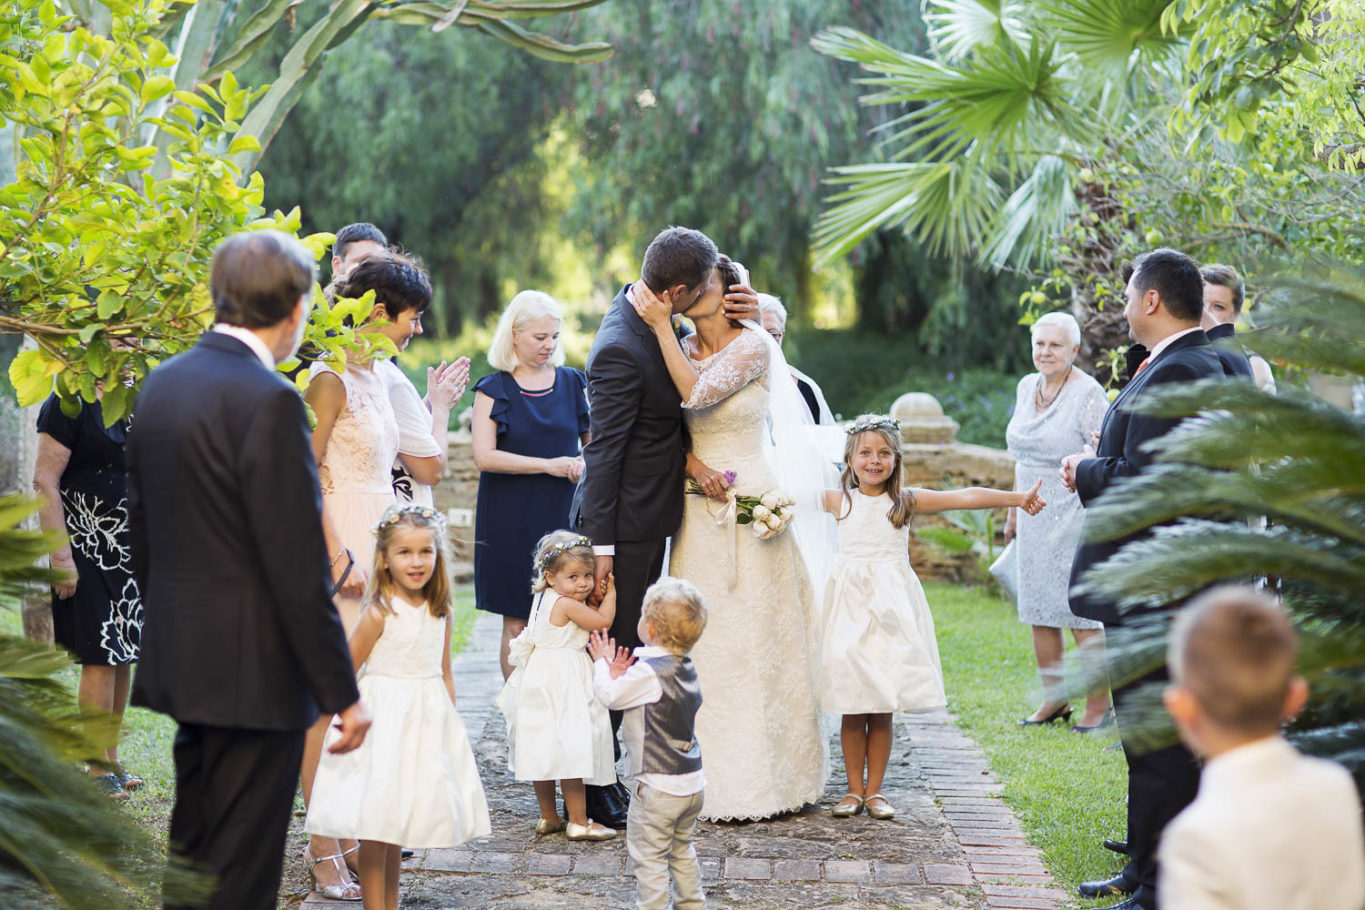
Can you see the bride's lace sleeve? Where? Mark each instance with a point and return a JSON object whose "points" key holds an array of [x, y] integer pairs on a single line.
{"points": [[744, 360]]}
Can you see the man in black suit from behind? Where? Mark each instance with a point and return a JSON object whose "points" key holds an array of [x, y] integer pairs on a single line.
{"points": [[1164, 302], [241, 643]]}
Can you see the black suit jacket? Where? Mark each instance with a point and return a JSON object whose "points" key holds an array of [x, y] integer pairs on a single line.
{"points": [[1121, 455], [1234, 362], [633, 480], [226, 519]]}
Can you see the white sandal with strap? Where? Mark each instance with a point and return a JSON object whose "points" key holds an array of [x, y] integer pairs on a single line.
{"points": [[350, 891]]}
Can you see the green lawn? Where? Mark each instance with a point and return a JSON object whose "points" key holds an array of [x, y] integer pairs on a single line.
{"points": [[1068, 792]]}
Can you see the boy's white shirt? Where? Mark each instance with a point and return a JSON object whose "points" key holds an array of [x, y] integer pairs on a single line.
{"points": [[637, 687], [1270, 829]]}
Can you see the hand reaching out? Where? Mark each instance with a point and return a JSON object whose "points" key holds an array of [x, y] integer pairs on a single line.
{"points": [[1032, 503], [621, 663], [600, 647]]}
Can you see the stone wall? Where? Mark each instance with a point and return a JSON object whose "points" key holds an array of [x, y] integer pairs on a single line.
{"points": [[933, 459]]}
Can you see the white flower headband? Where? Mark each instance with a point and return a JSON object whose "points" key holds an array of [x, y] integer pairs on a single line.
{"points": [[883, 423], [396, 513], [552, 552]]}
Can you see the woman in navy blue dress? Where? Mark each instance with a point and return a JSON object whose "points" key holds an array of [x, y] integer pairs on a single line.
{"points": [[530, 423]]}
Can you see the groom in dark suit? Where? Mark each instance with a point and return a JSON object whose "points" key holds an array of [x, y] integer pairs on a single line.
{"points": [[636, 461], [241, 643], [1164, 302]]}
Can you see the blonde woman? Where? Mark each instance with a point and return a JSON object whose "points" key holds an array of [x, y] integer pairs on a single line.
{"points": [[530, 422]]}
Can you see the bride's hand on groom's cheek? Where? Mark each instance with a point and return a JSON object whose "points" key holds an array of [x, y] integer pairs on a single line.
{"points": [[656, 311]]}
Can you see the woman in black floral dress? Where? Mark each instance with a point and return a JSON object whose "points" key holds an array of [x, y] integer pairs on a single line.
{"points": [[97, 612]]}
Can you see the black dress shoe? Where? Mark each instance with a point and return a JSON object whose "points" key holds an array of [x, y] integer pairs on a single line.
{"points": [[1130, 903], [405, 853], [1118, 846], [1062, 713], [1110, 887], [608, 805]]}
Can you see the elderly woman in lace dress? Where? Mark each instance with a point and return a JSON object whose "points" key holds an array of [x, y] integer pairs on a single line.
{"points": [[1057, 411]]}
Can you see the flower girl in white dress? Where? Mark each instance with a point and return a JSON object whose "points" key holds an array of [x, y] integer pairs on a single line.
{"points": [[414, 780], [878, 653], [557, 730]]}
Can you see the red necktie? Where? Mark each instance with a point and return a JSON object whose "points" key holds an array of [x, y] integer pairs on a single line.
{"points": [[1142, 366]]}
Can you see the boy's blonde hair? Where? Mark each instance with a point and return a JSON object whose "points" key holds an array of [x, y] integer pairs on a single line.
{"points": [[557, 549], [1233, 650], [889, 429], [676, 611], [380, 589]]}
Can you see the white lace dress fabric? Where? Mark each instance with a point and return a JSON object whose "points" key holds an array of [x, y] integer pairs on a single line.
{"points": [[759, 725], [878, 653], [414, 780], [355, 474], [1045, 543]]}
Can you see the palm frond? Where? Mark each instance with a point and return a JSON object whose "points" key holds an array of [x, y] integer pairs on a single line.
{"points": [[1107, 35], [957, 28], [1035, 214], [947, 205]]}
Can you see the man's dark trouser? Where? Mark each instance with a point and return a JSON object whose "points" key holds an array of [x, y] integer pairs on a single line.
{"points": [[1161, 783], [234, 795]]}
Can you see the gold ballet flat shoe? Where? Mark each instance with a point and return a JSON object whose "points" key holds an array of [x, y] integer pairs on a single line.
{"points": [[847, 807], [591, 831], [883, 812], [551, 825]]}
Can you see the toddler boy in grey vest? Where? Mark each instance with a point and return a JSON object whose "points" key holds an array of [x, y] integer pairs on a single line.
{"points": [[657, 689]]}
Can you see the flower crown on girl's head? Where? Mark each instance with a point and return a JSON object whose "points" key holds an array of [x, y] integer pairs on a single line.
{"points": [[396, 513], [883, 423], [550, 553]]}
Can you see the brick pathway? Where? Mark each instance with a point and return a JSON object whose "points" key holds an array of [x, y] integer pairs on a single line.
{"points": [[953, 842]]}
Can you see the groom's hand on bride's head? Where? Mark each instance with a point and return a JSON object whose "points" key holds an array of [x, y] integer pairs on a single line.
{"points": [[741, 302]]}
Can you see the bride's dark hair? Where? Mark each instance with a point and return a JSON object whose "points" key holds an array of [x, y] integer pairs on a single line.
{"points": [[729, 274]]}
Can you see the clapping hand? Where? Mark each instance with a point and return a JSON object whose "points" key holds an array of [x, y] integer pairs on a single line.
{"points": [[447, 383], [656, 311], [1032, 503]]}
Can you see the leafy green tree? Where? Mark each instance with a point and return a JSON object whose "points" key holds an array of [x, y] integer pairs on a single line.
{"points": [[1008, 115], [1295, 60], [454, 175], [721, 117], [1295, 459]]}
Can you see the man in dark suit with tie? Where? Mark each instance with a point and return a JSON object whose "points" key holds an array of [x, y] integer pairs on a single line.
{"points": [[241, 643], [1164, 303]]}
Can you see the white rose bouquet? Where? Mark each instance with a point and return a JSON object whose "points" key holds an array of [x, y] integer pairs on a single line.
{"points": [[767, 515]]}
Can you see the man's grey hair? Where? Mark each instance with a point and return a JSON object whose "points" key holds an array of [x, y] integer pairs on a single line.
{"points": [[767, 303]]}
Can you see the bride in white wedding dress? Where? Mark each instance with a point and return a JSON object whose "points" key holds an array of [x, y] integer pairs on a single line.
{"points": [[759, 724]]}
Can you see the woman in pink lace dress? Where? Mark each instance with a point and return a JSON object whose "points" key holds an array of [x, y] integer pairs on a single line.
{"points": [[356, 441]]}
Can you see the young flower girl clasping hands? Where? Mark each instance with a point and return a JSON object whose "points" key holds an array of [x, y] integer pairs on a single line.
{"points": [[878, 653], [414, 781]]}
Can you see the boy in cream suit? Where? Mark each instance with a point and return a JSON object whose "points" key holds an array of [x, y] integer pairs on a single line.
{"points": [[658, 691], [1270, 829]]}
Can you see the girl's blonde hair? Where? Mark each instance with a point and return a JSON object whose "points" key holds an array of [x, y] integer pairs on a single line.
{"points": [[525, 308], [902, 499], [381, 587], [557, 549]]}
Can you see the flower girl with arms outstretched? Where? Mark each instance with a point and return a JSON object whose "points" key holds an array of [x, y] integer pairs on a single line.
{"points": [[414, 781], [557, 730], [878, 653]]}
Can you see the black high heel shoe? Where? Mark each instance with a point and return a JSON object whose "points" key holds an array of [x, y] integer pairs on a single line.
{"points": [[1062, 713]]}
